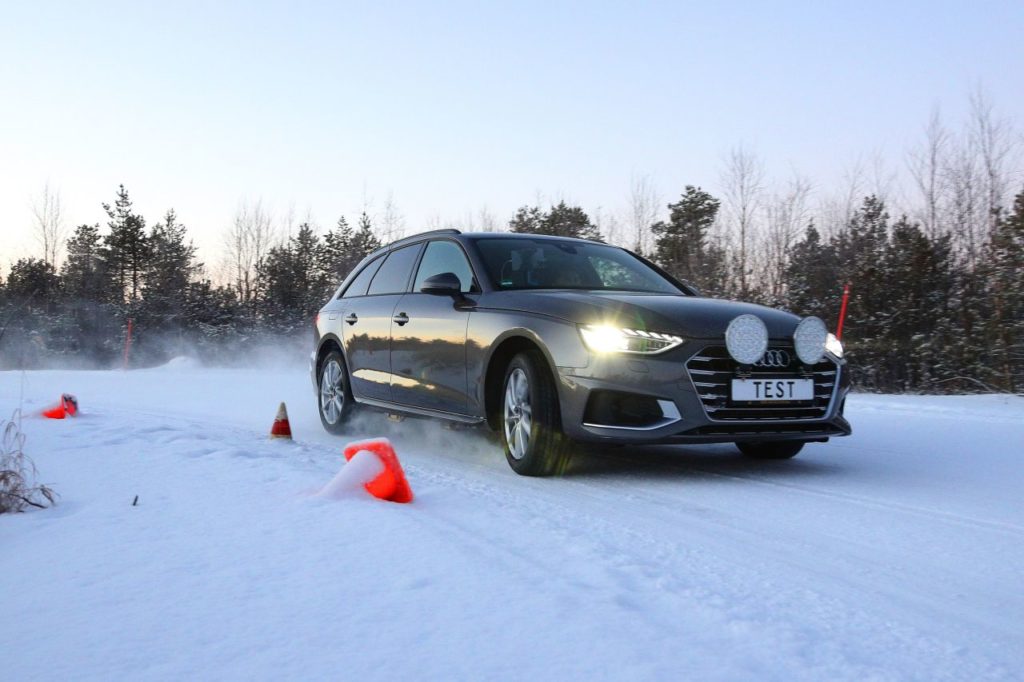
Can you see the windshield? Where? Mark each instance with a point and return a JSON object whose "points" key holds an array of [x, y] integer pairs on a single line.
{"points": [[525, 263]]}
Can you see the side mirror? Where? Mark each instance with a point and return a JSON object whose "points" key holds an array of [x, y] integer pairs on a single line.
{"points": [[444, 284]]}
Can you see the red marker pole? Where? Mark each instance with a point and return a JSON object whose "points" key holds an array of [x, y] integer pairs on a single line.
{"points": [[842, 311], [128, 343]]}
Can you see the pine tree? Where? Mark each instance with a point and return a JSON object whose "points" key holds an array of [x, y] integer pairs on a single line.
{"points": [[916, 280], [365, 240], [83, 272], [570, 221], [1006, 292], [214, 319], [560, 220], [34, 282], [683, 245], [29, 323], [813, 280], [295, 282], [126, 250], [339, 253], [91, 327], [171, 266], [527, 220]]}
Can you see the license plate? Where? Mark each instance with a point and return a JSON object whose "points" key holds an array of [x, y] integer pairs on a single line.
{"points": [[771, 390]]}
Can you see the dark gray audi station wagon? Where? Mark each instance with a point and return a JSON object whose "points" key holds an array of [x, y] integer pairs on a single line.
{"points": [[553, 341]]}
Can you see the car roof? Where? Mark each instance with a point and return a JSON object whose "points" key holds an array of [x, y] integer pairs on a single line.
{"points": [[462, 236]]}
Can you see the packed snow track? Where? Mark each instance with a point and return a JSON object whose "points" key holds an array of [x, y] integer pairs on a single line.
{"points": [[896, 553]]}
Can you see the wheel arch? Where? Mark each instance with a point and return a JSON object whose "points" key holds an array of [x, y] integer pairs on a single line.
{"points": [[512, 343], [328, 343]]}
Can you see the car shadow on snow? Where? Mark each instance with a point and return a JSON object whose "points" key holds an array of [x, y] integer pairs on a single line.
{"points": [[696, 461]]}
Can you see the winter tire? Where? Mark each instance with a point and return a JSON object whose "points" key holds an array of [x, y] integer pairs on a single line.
{"points": [[530, 427], [771, 450], [334, 396]]}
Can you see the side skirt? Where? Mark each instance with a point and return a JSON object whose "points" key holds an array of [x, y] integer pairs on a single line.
{"points": [[419, 411]]}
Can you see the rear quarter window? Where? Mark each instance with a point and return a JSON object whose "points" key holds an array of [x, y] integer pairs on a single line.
{"points": [[360, 284]]}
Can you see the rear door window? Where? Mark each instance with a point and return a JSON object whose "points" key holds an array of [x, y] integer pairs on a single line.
{"points": [[393, 276]]}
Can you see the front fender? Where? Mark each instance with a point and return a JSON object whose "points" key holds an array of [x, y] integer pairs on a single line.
{"points": [[557, 339]]}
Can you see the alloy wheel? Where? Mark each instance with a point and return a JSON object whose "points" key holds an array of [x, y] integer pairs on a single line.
{"points": [[518, 414], [332, 392]]}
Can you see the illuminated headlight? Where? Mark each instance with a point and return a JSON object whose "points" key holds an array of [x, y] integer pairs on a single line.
{"points": [[608, 339], [834, 345], [746, 339], [809, 340]]}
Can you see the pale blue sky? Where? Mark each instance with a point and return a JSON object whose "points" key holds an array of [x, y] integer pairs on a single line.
{"points": [[453, 106]]}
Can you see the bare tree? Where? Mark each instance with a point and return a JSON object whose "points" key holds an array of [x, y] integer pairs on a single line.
{"points": [[487, 221], [786, 217], [977, 173], [882, 182], [644, 203], [837, 209], [392, 224], [742, 181], [996, 146], [610, 228], [49, 224], [434, 222], [964, 201], [926, 162], [248, 240]]}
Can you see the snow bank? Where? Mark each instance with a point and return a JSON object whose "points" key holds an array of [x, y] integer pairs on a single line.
{"points": [[181, 362]]}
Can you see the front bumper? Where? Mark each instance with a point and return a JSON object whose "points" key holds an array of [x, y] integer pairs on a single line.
{"points": [[698, 414]]}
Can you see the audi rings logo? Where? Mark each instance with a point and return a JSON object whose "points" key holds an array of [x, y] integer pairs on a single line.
{"points": [[774, 358]]}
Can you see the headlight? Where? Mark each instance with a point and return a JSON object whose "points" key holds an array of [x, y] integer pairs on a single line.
{"points": [[809, 340], [607, 339], [834, 345], [746, 339]]}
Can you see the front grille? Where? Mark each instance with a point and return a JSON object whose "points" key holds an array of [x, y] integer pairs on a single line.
{"points": [[712, 371]]}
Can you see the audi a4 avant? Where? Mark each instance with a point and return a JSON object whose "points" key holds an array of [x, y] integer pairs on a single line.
{"points": [[553, 341]]}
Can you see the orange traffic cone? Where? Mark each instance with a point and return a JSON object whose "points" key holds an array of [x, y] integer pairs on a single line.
{"points": [[353, 476], [281, 427], [391, 484], [67, 407]]}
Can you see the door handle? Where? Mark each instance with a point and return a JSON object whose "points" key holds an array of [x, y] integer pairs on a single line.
{"points": [[400, 319], [351, 318]]}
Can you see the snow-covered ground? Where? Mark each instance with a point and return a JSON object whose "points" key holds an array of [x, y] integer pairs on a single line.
{"points": [[897, 553]]}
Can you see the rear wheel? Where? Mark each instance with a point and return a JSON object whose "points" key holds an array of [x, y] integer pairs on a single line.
{"points": [[530, 424], [334, 396], [771, 450]]}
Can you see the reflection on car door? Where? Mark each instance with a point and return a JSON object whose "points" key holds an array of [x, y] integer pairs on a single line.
{"points": [[428, 339], [367, 333], [368, 321]]}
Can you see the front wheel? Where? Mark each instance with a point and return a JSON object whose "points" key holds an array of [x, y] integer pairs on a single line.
{"points": [[335, 396], [771, 450], [530, 432]]}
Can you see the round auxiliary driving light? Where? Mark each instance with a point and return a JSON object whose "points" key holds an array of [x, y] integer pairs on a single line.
{"points": [[809, 340], [746, 338]]}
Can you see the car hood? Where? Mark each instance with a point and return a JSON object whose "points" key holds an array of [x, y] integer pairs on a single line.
{"points": [[691, 316]]}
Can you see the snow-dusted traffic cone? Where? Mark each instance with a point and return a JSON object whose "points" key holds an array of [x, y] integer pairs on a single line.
{"points": [[281, 427], [67, 407], [390, 484], [353, 476]]}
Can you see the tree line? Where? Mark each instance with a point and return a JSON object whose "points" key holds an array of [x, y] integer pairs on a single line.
{"points": [[923, 314], [79, 314], [937, 286]]}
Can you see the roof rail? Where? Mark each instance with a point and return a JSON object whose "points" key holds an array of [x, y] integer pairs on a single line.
{"points": [[418, 235]]}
